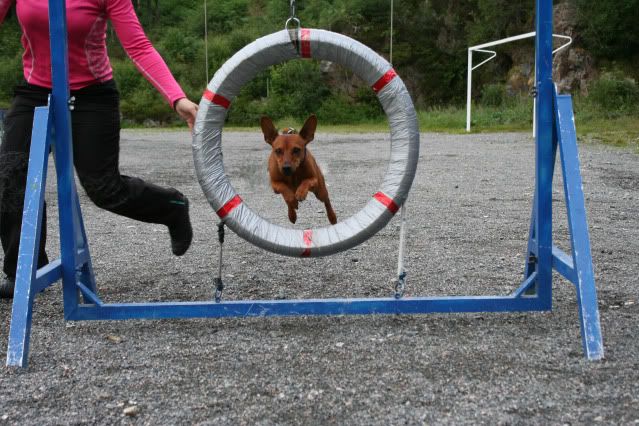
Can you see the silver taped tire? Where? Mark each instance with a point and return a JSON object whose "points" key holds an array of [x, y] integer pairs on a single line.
{"points": [[275, 49]]}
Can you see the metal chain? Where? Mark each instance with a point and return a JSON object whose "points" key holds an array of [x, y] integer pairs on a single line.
{"points": [[400, 283], [292, 8], [292, 17]]}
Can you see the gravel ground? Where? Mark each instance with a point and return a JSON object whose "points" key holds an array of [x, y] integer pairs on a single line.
{"points": [[468, 219]]}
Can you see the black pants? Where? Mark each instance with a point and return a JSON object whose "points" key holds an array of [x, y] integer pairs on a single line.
{"points": [[96, 147]]}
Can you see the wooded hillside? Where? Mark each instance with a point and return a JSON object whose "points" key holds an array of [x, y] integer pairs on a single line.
{"points": [[430, 39]]}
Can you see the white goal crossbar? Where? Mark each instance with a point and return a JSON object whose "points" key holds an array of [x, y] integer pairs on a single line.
{"points": [[482, 48]]}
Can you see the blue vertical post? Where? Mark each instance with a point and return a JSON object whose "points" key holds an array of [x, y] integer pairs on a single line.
{"points": [[531, 253], [60, 99], [544, 151]]}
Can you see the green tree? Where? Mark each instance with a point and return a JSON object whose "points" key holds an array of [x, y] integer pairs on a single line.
{"points": [[609, 27], [298, 89]]}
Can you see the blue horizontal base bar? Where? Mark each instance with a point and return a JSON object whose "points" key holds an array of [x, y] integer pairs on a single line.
{"points": [[262, 308]]}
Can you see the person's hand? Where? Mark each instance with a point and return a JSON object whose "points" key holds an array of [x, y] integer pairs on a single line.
{"points": [[187, 110]]}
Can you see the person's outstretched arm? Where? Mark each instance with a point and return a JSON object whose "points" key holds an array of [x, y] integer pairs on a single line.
{"points": [[4, 8], [147, 59]]}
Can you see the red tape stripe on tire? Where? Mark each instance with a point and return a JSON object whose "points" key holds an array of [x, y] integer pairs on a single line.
{"points": [[308, 240], [229, 206], [387, 201], [217, 99], [384, 80], [305, 45]]}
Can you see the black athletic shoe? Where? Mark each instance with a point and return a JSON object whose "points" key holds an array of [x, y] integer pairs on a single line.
{"points": [[180, 230], [7, 287]]}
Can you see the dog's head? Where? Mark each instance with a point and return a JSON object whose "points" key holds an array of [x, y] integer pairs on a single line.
{"points": [[289, 149]]}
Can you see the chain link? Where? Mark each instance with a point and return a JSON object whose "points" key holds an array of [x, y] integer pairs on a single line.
{"points": [[292, 9], [400, 283], [292, 17], [219, 288]]}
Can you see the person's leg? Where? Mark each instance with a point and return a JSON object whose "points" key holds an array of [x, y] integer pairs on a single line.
{"points": [[96, 149], [14, 160]]}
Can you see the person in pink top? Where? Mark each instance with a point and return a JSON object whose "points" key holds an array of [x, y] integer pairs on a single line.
{"points": [[95, 121]]}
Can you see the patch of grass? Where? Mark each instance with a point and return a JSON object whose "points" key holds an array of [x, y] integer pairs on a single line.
{"points": [[593, 124], [370, 126], [515, 117], [621, 131]]}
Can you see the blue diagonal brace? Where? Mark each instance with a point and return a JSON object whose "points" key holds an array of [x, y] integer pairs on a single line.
{"points": [[84, 266], [578, 225], [26, 283]]}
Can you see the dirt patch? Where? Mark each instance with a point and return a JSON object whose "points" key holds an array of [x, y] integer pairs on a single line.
{"points": [[468, 222]]}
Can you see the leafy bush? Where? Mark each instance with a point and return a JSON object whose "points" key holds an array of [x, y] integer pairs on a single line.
{"points": [[10, 76], [615, 94], [493, 95], [609, 27], [145, 104], [339, 109], [246, 111], [252, 102], [298, 89], [368, 99], [127, 77], [10, 58], [224, 16]]}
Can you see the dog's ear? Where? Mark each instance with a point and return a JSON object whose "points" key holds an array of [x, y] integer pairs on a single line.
{"points": [[269, 130], [308, 130]]}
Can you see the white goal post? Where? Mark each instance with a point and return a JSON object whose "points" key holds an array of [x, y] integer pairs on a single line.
{"points": [[482, 48]]}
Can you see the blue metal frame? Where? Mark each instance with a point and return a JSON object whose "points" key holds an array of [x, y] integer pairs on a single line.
{"points": [[555, 129]]}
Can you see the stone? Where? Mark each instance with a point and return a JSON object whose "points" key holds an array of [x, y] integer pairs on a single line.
{"points": [[131, 410]]}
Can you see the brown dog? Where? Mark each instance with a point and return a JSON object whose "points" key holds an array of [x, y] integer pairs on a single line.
{"points": [[292, 167]]}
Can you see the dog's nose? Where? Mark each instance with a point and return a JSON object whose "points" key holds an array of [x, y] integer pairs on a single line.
{"points": [[287, 170]]}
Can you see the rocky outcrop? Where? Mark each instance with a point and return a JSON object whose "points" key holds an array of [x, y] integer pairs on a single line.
{"points": [[573, 70], [573, 67]]}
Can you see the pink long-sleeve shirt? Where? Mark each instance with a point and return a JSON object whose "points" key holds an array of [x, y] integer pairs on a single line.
{"points": [[88, 60]]}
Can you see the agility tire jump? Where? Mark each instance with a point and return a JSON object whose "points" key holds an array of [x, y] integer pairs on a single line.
{"points": [[275, 49]]}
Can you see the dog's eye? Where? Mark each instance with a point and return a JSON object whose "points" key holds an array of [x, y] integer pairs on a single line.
{"points": [[278, 151], [296, 151]]}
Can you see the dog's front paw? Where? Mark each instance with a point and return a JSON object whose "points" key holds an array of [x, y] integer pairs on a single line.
{"points": [[301, 193], [292, 204], [292, 216], [332, 218]]}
